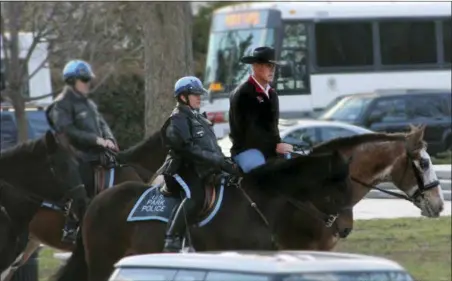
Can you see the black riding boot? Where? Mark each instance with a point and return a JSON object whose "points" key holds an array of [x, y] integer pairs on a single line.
{"points": [[77, 208], [177, 225]]}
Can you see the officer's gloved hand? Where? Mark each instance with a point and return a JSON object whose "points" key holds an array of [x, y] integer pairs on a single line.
{"points": [[230, 167]]}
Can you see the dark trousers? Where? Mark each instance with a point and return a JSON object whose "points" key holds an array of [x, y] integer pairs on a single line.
{"points": [[195, 186], [86, 170]]}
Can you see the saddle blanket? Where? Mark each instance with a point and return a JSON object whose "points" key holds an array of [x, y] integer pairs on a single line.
{"points": [[110, 179], [153, 205]]}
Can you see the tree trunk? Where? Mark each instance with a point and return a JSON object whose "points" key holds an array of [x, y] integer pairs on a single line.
{"points": [[168, 57], [14, 73]]}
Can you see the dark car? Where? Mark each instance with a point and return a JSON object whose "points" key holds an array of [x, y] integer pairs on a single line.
{"points": [[37, 124], [394, 110]]}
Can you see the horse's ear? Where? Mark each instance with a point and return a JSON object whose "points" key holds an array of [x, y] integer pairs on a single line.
{"points": [[51, 142], [415, 137]]}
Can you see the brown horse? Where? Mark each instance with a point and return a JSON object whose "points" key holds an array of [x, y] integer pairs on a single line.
{"points": [[283, 189], [29, 173], [403, 155], [401, 159], [48, 221]]}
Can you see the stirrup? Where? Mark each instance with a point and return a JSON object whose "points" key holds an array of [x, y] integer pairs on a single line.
{"points": [[172, 245], [69, 236]]}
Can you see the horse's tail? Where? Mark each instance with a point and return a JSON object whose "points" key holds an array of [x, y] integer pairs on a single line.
{"points": [[76, 268]]}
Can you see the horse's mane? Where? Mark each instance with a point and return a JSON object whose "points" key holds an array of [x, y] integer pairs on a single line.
{"points": [[346, 142], [24, 149], [134, 153], [297, 175]]}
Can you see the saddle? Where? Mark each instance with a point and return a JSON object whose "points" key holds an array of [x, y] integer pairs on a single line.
{"points": [[212, 183], [102, 172]]}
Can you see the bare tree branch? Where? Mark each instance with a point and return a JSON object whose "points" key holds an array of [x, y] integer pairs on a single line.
{"points": [[5, 45], [37, 69], [27, 99]]}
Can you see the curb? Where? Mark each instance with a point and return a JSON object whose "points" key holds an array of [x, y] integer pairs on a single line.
{"points": [[375, 194], [445, 185]]}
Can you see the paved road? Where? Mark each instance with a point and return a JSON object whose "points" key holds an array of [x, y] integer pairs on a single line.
{"points": [[390, 208]]}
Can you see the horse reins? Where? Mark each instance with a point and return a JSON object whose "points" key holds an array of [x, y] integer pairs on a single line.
{"points": [[420, 182]]}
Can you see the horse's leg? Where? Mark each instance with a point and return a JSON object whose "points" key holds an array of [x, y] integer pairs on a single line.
{"points": [[104, 247], [31, 247], [47, 226]]}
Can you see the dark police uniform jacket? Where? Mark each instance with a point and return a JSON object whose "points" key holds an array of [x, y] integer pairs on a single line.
{"points": [[192, 143], [253, 119], [78, 118]]}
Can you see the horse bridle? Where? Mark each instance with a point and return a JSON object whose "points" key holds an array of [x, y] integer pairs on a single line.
{"points": [[420, 191]]}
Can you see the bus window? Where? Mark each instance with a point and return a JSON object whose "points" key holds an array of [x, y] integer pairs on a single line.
{"points": [[341, 44], [446, 40], [294, 75], [407, 42]]}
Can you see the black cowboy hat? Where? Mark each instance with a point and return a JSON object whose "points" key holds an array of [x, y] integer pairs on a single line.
{"points": [[261, 55]]}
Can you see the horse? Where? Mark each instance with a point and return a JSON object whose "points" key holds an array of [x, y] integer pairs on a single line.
{"points": [[29, 173], [8, 240], [398, 158], [48, 221], [135, 215], [371, 165]]}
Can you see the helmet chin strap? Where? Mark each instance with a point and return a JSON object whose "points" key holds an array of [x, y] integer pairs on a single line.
{"points": [[187, 103]]}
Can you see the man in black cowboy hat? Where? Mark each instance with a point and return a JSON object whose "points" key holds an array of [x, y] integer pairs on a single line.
{"points": [[254, 114]]}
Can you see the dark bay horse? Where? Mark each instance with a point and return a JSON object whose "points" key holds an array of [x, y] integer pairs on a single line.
{"points": [[29, 173], [264, 210], [48, 221]]}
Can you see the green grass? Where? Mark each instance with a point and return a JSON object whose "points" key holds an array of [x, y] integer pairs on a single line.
{"points": [[422, 246], [442, 158]]}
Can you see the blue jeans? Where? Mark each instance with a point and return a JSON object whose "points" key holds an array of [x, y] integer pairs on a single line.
{"points": [[249, 159]]}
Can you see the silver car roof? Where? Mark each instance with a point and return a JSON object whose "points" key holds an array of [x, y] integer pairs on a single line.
{"points": [[263, 262]]}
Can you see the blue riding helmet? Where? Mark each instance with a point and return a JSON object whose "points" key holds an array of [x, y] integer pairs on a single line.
{"points": [[190, 85], [78, 69]]}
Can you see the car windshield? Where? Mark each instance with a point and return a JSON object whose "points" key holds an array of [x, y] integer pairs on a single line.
{"points": [[170, 274], [347, 109], [352, 276], [223, 66]]}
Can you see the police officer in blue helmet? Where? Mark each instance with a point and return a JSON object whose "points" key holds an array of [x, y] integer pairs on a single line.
{"points": [[193, 157], [75, 115]]}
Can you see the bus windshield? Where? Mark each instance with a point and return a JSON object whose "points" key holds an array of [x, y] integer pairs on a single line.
{"points": [[223, 68]]}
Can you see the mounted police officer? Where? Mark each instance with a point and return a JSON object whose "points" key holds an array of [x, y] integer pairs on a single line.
{"points": [[193, 156], [75, 116], [254, 114]]}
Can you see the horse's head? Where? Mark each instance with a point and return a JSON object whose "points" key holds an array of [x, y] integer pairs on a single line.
{"points": [[62, 162], [413, 173]]}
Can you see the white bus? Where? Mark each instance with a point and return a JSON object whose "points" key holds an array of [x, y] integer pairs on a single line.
{"points": [[37, 67], [329, 49]]}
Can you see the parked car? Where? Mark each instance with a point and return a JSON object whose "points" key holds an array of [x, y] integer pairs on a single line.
{"points": [[258, 266], [307, 132], [37, 124], [394, 110]]}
